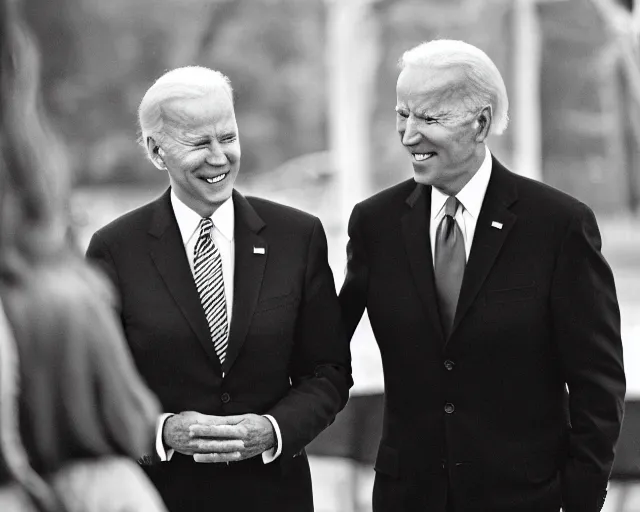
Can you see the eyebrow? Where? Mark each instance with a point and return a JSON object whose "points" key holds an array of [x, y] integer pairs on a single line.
{"points": [[433, 113], [424, 112]]}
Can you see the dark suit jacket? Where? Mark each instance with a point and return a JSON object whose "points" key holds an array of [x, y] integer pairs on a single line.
{"points": [[486, 412], [287, 356]]}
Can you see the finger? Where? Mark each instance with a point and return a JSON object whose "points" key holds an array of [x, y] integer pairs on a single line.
{"points": [[228, 446], [220, 431], [217, 457], [228, 420], [205, 419]]}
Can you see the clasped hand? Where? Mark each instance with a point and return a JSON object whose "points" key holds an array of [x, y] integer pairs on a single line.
{"points": [[218, 438]]}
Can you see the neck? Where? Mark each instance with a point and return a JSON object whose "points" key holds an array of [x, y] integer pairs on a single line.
{"points": [[203, 209], [472, 166]]}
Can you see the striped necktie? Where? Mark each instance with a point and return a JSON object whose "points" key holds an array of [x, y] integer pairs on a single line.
{"points": [[450, 263], [207, 270]]}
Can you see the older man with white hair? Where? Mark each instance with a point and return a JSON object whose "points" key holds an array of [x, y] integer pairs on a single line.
{"points": [[494, 310], [230, 311]]}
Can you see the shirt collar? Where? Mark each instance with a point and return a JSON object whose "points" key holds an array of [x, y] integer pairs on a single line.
{"points": [[471, 195], [188, 220]]}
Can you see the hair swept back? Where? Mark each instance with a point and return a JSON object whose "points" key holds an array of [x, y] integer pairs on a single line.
{"points": [[180, 83], [483, 80]]}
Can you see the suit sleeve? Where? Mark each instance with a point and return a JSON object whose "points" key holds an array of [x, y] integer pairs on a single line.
{"points": [[586, 322], [321, 361], [353, 294]]}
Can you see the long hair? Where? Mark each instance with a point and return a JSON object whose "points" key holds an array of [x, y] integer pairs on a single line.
{"points": [[34, 176], [33, 181], [15, 460], [68, 386]]}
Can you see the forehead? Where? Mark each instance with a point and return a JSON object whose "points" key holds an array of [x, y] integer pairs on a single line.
{"points": [[212, 110], [429, 86]]}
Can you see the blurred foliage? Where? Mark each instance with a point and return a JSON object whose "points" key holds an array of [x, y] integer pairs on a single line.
{"points": [[100, 57]]}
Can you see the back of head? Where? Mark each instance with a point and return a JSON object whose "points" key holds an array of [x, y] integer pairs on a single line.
{"points": [[181, 83], [81, 397], [483, 80]]}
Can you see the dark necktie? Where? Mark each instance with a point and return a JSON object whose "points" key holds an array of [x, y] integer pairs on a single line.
{"points": [[450, 261], [207, 269]]}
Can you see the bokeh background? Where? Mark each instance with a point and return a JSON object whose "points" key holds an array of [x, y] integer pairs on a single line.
{"points": [[314, 88]]}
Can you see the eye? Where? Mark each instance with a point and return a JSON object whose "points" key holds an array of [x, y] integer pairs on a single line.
{"points": [[427, 119], [228, 139], [401, 112]]}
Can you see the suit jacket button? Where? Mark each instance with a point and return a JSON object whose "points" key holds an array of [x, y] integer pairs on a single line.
{"points": [[226, 398], [449, 408], [448, 364]]}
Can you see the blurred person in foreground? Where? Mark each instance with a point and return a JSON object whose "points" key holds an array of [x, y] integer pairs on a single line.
{"points": [[73, 410], [230, 310], [487, 294]]}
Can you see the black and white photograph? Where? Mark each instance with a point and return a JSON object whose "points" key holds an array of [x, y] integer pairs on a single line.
{"points": [[320, 255]]}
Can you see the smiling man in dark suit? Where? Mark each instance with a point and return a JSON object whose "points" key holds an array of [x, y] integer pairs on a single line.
{"points": [[230, 311], [489, 298]]}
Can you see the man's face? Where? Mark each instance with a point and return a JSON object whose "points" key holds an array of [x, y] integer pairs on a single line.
{"points": [[201, 149], [437, 128]]}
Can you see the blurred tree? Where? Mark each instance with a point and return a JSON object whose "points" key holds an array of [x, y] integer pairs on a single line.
{"points": [[627, 4], [622, 18], [100, 57]]}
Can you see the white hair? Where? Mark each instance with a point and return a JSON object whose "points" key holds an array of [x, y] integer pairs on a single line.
{"points": [[181, 83], [484, 81]]}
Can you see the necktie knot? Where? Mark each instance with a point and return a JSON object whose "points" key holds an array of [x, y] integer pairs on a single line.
{"points": [[206, 225], [204, 238], [451, 206]]}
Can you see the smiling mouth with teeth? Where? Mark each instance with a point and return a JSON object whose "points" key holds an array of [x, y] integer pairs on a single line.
{"points": [[216, 179], [422, 156]]}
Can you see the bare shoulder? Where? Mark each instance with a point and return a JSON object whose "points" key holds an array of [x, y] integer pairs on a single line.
{"points": [[110, 484]]}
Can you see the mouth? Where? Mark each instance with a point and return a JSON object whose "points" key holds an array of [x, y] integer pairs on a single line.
{"points": [[421, 157], [215, 179]]}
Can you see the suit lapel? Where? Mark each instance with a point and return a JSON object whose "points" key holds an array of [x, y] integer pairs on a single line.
{"points": [[248, 273], [487, 239], [167, 252], [415, 229]]}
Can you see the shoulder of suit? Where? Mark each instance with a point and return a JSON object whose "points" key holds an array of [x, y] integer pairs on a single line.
{"points": [[134, 220], [396, 194], [547, 197], [271, 212]]}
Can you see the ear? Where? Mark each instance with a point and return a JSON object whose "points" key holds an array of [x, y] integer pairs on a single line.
{"points": [[483, 122], [155, 153]]}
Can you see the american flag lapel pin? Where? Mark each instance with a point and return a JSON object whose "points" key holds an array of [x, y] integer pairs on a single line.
{"points": [[497, 225], [259, 250]]}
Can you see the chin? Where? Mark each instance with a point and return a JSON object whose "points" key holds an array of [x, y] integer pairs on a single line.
{"points": [[423, 178]]}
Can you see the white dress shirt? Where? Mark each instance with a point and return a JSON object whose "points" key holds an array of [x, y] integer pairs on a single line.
{"points": [[223, 236], [470, 197]]}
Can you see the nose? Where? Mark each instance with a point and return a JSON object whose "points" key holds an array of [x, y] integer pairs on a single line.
{"points": [[216, 156], [411, 135]]}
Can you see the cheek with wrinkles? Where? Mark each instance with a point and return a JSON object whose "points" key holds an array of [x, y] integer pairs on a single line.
{"points": [[233, 152], [189, 158]]}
